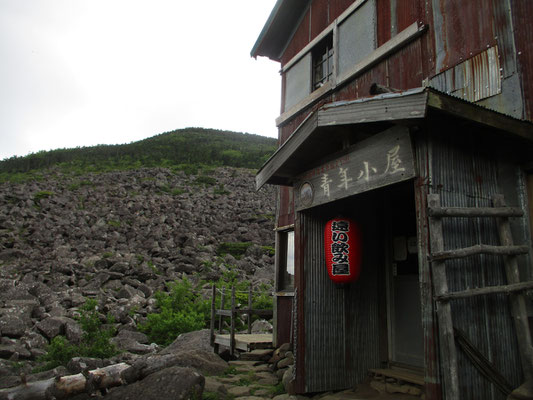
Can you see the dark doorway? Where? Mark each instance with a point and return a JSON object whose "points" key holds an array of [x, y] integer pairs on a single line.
{"points": [[404, 318]]}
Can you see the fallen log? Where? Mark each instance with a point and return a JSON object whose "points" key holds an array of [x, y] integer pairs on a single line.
{"points": [[66, 386]]}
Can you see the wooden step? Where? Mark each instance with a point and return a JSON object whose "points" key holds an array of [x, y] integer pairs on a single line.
{"points": [[401, 375]]}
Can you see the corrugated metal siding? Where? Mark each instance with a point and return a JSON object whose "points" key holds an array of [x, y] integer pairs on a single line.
{"points": [[474, 79], [341, 325], [467, 176]]}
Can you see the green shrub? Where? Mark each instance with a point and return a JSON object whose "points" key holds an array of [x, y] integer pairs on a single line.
{"points": [[114, 223], [95, 341], [181, 310], [236, 249], [59, 352], [205, 180], [37, 197]]}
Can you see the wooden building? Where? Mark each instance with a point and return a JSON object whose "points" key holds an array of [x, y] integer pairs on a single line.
{"points": [[412, 118]]}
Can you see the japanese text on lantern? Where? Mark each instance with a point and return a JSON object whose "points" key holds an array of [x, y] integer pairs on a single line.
{"points": [[340, 249]]}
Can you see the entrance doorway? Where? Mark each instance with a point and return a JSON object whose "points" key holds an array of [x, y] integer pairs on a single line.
{"points": [[406, 341]]}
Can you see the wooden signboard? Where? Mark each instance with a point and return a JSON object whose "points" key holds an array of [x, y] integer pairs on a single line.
{"points": [[381, 160]]}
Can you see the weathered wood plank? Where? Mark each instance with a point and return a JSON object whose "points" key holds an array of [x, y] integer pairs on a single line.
{"points": [[468, 212], [381, 160], [213, 315], [444, 313], [245, 342], [518, 303], [224, 313], [507, 289], [232, 326], [480, 249]]}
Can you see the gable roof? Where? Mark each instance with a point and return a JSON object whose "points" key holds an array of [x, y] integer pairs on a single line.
{"points": [[279, 28], [308, 143]]}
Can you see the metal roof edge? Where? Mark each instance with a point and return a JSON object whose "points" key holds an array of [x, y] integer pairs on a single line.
{"points": [[483, 115], [280, 148], [273, 14]]}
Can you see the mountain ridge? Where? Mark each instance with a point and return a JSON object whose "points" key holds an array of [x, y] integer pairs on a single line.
{"points": [[188, 146]]}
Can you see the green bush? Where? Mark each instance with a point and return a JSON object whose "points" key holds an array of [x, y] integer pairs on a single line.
{"points": [[181, 310], [37, 197], [205, 180], [236, 249], [95, 341]]}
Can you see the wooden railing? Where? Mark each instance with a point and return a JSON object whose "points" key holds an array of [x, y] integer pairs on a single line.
{"points": [[233, 312]]}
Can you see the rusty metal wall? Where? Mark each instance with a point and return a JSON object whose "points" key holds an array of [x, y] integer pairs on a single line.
{"points": [[341, 326], [474, 79], [522, 10], [285, 210], [466, 173], [284, 319]]}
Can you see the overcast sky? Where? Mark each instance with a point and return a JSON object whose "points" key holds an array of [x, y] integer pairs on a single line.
{"points": [[85, 72]]}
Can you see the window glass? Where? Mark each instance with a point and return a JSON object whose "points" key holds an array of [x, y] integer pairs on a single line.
{"points": [[323, 62], [286, 261]]}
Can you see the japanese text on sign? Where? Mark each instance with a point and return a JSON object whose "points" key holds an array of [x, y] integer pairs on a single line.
{"points": [[340, 248]]}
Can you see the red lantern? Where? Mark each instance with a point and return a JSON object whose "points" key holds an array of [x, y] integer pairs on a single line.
{"points": [[342, 240]]}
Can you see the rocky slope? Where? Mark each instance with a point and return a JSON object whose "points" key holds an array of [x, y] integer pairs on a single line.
{"points": [[119, 237]]}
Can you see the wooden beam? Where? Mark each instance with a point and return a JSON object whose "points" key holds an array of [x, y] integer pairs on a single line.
{"points": [[507, 289], [213, 315], [232, 328], [518, 302], [479, 249], [448, 350], [469, 212]]}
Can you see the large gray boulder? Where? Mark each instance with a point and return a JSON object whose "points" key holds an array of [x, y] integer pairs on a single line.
{"points": [[207, 363], [198, 340], [174, 383]]}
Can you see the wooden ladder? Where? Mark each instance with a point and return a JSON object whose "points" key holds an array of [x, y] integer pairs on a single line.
{"points": [[442, 296]]}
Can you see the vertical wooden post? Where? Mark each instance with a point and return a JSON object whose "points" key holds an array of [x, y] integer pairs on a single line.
{"points": [[212, 334], [222, 304], [232, 330], [518, 304], [444, 313], [250, 294]]}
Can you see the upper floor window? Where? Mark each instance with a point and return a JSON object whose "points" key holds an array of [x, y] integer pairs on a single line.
{"points": [[323, 62]]}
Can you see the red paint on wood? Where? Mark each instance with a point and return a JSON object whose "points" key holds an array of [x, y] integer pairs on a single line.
{"points": [[383, 21], [319, 17], [522, 12]]}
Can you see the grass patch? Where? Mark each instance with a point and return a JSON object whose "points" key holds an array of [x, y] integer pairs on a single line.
{"points": [[236, 249]]}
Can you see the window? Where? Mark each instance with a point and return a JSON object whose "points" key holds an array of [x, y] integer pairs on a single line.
{"points": [[323, 62], [286, 261]]}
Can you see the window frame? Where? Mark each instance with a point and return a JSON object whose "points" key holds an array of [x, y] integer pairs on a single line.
{"points": [[282, 254]]}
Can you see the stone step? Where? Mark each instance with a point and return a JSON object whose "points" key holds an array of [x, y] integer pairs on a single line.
{"points": [[257, 355]]}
